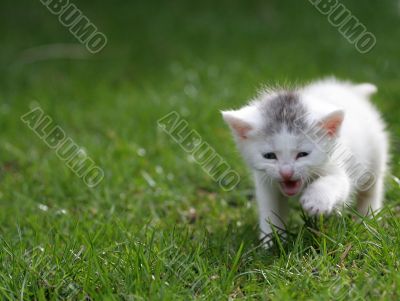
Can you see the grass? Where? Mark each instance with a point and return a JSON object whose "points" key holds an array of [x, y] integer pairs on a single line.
{"points": [[182, 238]]}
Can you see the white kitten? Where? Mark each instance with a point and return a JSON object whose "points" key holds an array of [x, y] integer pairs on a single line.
{"points": [[325, 141]]}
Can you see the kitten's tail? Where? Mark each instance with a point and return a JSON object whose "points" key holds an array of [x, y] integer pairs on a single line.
{"points": [[366, 89]]}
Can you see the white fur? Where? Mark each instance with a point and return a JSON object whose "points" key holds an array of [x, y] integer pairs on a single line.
{"points": [[327, 179]]}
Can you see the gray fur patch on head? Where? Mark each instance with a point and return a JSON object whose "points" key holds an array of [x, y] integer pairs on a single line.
{"points": [[284, 109]]}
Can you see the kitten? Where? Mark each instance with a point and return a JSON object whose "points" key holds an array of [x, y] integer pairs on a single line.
{"points": [[324, 142]]}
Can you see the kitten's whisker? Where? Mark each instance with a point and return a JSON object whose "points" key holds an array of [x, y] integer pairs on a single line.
{"points": [[264, 177]]}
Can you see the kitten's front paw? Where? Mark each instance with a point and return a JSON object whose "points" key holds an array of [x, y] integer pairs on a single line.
{"points": [[314, 203]]}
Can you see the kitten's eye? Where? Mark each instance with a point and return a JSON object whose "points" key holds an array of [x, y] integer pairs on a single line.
{"points": [[301, 155], [270, 156]]}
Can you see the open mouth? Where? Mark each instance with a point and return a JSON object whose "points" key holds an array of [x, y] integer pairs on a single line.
{"points": [[290, 188]]}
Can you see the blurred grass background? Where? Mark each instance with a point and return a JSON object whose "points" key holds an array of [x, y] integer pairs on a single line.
{"points": [[60, 239]]}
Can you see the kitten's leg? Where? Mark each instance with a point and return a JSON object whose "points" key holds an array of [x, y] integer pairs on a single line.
{"points": [[371, 199], [272, 206], [326, 193]]}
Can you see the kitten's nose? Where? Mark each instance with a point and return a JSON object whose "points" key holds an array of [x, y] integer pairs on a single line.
{"points": [[286, 172]]}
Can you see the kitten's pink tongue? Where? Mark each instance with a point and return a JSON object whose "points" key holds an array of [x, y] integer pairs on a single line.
{"points": [[290, 188]]}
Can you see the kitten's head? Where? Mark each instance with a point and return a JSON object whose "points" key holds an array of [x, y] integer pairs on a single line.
{"points": [[276, 136]]}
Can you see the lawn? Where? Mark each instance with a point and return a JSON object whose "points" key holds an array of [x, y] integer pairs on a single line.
{"points": [[158, 227]]}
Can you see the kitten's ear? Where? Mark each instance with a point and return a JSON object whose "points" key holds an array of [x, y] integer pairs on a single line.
{"points": [[332, 122], [240, 127], [366, 89]]}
